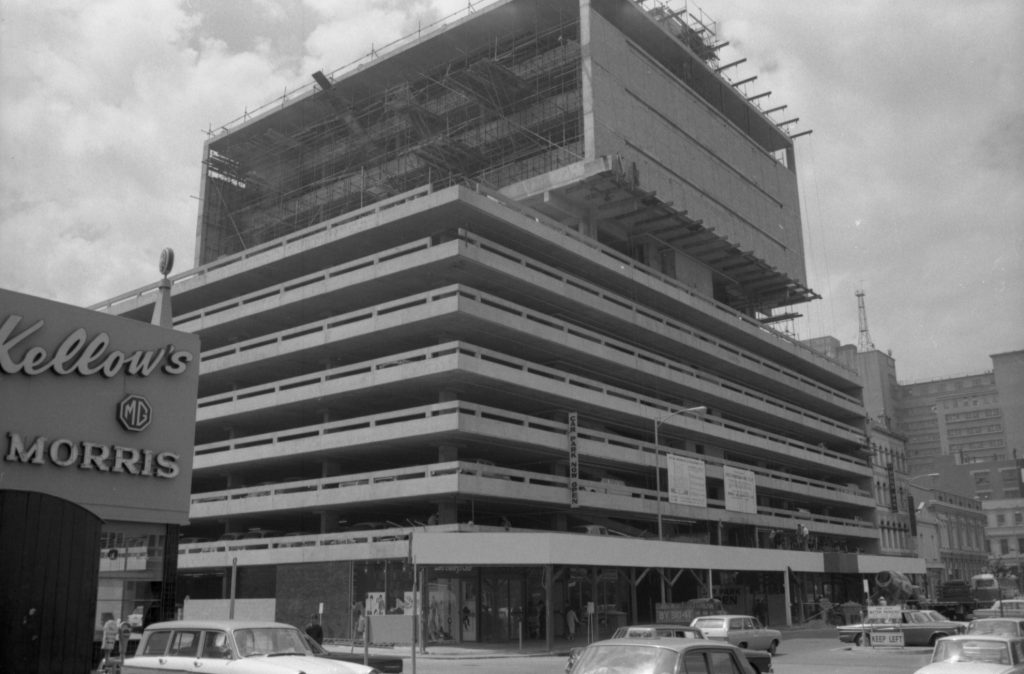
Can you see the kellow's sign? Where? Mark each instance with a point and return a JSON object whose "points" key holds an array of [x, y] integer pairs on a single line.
{"points": [[96, 409], [79, 354]]}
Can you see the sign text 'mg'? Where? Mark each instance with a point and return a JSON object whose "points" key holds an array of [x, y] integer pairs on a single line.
{"points": [[134, 412]]}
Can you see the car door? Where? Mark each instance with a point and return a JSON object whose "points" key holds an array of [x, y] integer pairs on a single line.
{"points": [[915, 631], [711, 661], [758, 638], [151, 656], [215, 653], [182, 651], [741, 632]]}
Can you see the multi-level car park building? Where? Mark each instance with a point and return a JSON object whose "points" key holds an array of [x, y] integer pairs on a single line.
{"points": [[462, 305]]}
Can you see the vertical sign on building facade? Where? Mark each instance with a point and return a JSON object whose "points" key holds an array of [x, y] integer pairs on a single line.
{"points": [[740, 490], [574, 463], [686, 481], [894, 506]]}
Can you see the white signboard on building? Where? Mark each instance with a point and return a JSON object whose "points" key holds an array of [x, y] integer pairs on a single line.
{"points": [[686, 481], [740, 490]]}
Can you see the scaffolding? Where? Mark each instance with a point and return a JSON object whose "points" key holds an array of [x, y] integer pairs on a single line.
{"points": [[499, 112], [493, 101]]}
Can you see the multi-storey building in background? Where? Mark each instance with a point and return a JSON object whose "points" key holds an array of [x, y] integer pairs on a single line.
{"points": [[940, 445], [973, 418], [891, 479], [960, 526], [970, 430], [495, 306], [1000, 486]]}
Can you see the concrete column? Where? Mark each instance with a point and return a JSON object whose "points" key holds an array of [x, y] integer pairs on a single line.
{"points": [[447, 453], [447, 512], [549, 623]]}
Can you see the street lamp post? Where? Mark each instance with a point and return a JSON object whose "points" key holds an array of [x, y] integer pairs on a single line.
{"points": [[657, 454]]}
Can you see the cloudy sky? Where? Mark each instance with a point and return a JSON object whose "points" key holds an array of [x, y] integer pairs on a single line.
{"points": [[912, 182]]}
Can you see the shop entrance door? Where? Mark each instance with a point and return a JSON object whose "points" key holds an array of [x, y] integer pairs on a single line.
{"points": [[502, 611]]}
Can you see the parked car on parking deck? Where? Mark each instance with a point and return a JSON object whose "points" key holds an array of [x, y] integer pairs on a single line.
{"points": [[230, 647], [740, 630], [661, 655], [976, 654]]}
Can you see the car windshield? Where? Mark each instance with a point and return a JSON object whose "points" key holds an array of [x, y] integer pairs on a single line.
{"points": [[269, 641], [972, 650], [626, 658]]}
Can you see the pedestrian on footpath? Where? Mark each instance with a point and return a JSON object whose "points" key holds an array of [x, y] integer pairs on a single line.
{"points": [[571, 621]]}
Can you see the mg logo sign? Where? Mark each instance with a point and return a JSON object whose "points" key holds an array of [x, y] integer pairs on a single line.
{"points": [[134, 413]]}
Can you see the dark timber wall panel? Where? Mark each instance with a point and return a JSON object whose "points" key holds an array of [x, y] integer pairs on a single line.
{"points": [[49, 572]]}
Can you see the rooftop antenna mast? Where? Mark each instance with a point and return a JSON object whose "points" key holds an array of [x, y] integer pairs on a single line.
{"points": [[864, 342]]}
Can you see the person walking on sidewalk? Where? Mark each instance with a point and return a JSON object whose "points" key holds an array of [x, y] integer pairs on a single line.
{"points": [[571, 621]]}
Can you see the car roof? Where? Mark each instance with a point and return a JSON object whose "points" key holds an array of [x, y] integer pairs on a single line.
{"points": [[215, 624], [719, 616], [983, 637], [671, 643]]}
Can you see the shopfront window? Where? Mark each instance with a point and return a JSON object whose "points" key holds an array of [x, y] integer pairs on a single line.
{"points": [[131, 574]]}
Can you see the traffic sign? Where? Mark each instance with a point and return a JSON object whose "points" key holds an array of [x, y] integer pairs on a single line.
{"points": [[887, 639]]}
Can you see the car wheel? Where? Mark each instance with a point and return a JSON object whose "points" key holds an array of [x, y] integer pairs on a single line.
{"points": [[934, 638], [773, 647], [857, 639]]}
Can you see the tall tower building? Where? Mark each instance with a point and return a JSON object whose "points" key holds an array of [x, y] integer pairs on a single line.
{"points": [[495, 306]]}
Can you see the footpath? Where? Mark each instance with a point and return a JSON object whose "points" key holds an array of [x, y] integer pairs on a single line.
{"points": [[560, 646]]}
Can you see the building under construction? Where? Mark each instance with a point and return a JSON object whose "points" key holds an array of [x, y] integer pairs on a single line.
{"points": [[494, 305]]}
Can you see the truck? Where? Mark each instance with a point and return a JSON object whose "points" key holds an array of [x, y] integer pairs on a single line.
{"points": [[895, 589], [958, 598]]}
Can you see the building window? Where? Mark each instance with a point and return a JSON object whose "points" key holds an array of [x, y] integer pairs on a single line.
{"points": [[1004, 546], [1018, 517], [1000, 519]]}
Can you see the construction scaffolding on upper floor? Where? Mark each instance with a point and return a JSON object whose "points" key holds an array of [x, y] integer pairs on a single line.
{"points": [[498, 107]]}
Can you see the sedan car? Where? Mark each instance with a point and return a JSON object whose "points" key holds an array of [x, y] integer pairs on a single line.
{"points": [[217, 646], [1007, 627], [741, 630], [976, 654], [385, 663], [1013, 608], [760, 661], [919, 628], [661, 655]]}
